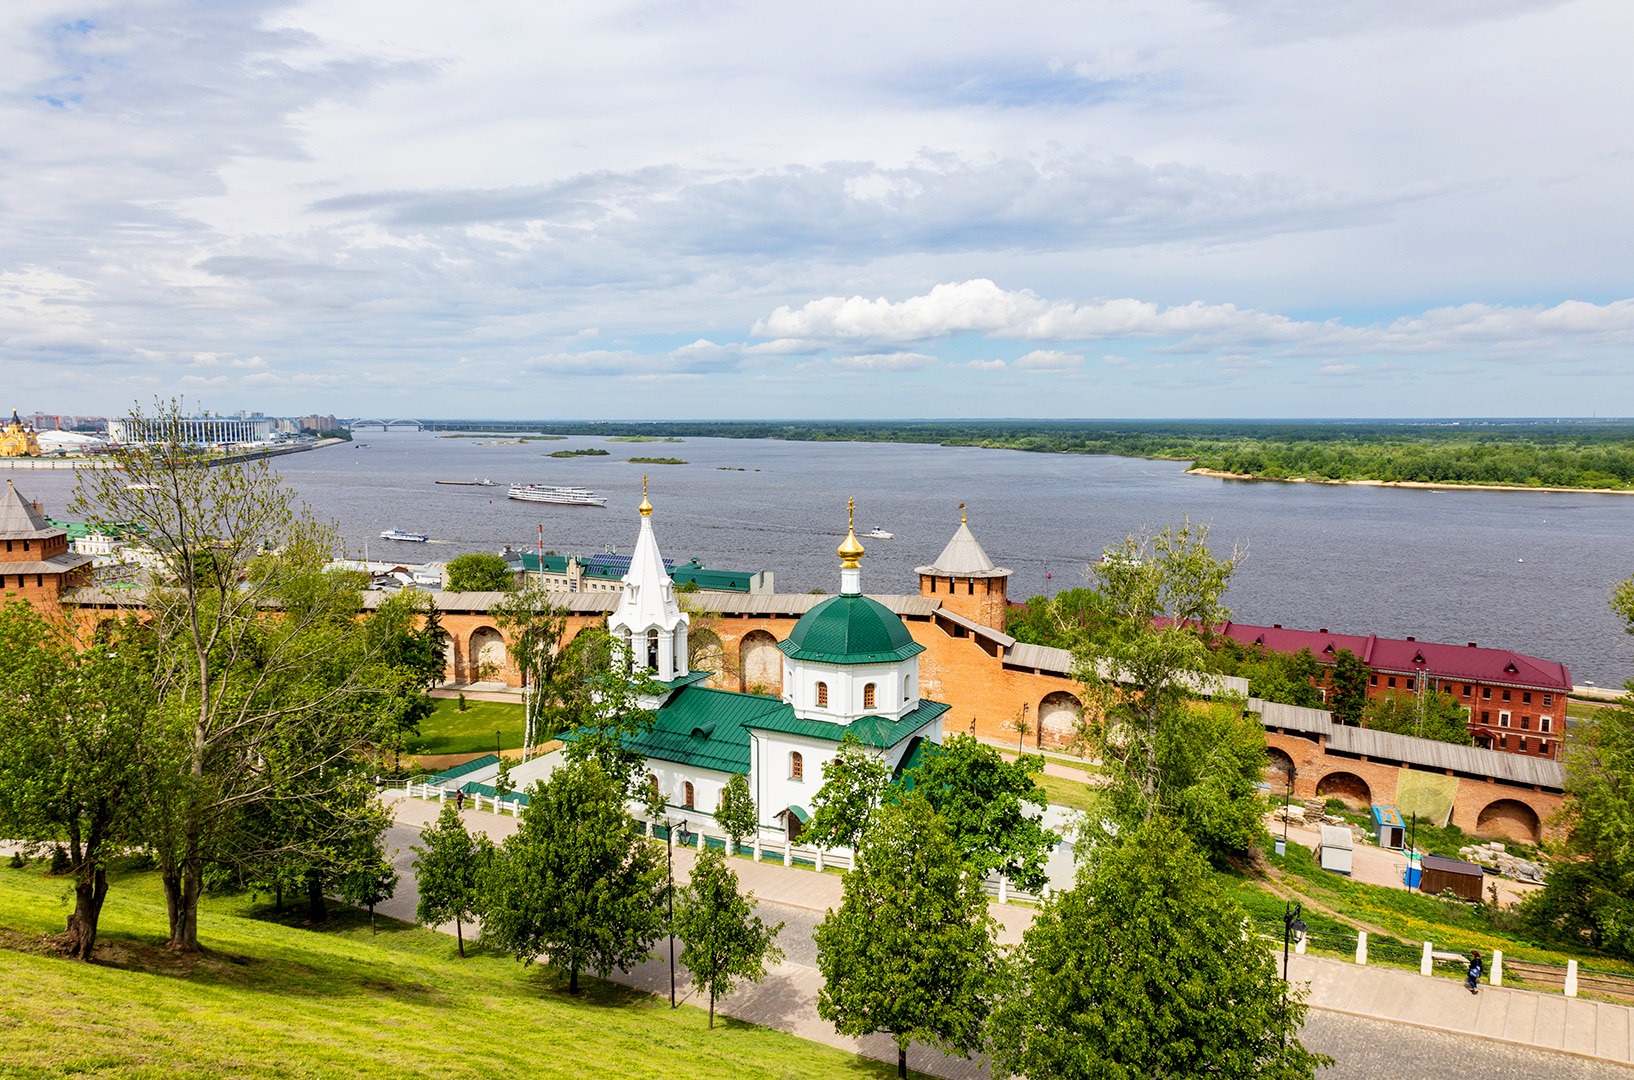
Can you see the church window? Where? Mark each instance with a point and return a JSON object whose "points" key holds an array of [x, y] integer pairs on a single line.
{"points": [[652, 650], [822, 695], [907, 688], [652, 782], [797, 766], [868, 696], [687, 795]]}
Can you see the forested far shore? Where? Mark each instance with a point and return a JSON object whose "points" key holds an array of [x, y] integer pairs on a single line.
{"points": [[1580, 454]]}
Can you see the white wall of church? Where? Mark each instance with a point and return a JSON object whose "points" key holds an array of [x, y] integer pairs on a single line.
{"points": [[707, 786], [896, 689]]}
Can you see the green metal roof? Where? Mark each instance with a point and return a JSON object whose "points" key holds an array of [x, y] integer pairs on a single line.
{"points": [[875, 731], [917, 753], [850, 630], [712, 580], [706, 728]]}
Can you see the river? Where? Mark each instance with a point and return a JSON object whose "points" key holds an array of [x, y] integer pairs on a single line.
{"points": [[1530, 571]]}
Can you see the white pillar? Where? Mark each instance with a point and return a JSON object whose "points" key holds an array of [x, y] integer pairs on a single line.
{"points": [[1424, 964], [1361, 946], [819, 860], [1004, 889], [1571, 978], [442, 796], [756, 848], [1497, 967], [788, 852]]}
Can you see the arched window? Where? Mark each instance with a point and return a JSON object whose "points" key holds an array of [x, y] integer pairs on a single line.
{"points": [[822, 695], [687, 795], [797, 766], [652, 650], [907, 688], [652, 782], [868, 696]]}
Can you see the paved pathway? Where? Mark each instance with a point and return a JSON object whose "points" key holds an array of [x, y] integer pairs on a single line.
{"points": [[1349, 993]]}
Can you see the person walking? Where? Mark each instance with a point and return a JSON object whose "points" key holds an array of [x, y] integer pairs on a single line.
{"points": [[1475, 970], [459, 800]]}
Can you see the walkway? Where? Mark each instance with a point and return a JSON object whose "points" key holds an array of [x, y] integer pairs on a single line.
{"points": [[787, 999]]}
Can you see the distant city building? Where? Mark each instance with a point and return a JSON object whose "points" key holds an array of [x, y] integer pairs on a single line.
{"points": [[317, 423], [605, 573], [18, 439], [196, 430]]}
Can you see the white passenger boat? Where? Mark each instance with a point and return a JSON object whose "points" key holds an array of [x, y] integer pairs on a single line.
{"points": [[408, 537], [562, 496], [878, 533]]}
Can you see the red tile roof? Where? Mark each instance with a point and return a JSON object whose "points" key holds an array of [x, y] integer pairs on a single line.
{"points": [[1408, 656]]}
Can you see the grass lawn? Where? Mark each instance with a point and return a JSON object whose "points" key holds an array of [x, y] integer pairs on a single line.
{"points": [[272, 999], [449, 731], [1073, 794]]}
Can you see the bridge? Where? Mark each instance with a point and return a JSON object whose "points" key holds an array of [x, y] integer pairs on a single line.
{"points": [[386, 425]]}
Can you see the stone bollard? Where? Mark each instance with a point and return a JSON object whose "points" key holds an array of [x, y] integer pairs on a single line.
{"points": [[756, 848], [819, 860], [788, 853], [1497, 967], [1361, 947], [442, 796], [1425, 964], [646, 829], [1571, 978], [1004, 890]]}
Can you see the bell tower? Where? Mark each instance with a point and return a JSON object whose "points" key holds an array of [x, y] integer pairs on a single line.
{"points": [[965, 579]]}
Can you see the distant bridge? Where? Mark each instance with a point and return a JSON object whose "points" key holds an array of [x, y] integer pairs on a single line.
{"points": [[386, 425]]}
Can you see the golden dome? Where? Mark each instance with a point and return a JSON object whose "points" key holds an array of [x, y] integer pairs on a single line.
{"points": [[851, 551], [646, 507]]}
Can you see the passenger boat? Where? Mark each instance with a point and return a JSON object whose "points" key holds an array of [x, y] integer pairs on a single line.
{"points": [[484, 482], [563, 496], [878, 533], [408, 537]]}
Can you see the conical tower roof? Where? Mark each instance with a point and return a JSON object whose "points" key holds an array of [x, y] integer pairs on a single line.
{"points": [[963, 557], [19, 520], [648, 600]]}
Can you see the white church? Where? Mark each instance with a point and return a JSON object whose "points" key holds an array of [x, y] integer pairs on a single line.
{"points": [[849, 665]]}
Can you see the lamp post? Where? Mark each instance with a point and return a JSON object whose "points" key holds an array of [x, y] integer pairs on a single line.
{"points": [[1291, 927], [669, 868]]}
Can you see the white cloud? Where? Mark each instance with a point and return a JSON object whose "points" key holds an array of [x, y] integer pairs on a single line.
{"points": [[1051, 360]]}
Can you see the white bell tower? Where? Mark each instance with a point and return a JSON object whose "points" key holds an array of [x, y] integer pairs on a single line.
{"points": [[648, 620]]}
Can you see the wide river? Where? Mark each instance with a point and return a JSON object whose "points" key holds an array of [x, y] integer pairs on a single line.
{"points": [[1530, 571]]}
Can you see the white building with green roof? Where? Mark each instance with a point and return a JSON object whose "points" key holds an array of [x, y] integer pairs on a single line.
{"points": [[849, 666]]}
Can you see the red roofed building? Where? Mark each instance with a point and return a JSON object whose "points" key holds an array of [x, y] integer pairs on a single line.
{"points": [[1516, 703]]}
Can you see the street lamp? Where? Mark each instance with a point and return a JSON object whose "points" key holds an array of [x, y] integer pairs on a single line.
{"points": [[1292, 927], [669, 868]]}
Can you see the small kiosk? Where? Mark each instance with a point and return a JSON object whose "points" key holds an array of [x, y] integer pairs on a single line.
{"points": [[1389, 830], [1334, 853], [1451, 875]]}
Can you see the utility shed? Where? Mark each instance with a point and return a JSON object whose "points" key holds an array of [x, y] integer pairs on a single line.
{"points": [[1442, 874], [1388, 828], [1334, 853]]}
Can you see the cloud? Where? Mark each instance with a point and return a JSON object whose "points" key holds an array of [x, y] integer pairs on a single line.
{"points": [[1050, 360]]}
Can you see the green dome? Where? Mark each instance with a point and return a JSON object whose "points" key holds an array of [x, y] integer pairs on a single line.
{"points": [[850, 630]]}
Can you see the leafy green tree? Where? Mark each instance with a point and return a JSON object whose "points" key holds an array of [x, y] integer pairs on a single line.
{"points": [[1289, 678], [406, 637], [1428, 716], [260, 679], [447, 872], [576, 886], [910, 950], [1060, 621], [723, 940], [1169, 755], [535, 627], [854, 785], [1349, 682], [1142, 970], [75, 746], [1588, 896], [480, 571], [368, 877], [737, 814], [985, 801]]}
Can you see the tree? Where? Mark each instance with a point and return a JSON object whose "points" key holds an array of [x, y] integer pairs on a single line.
{"points": [[1349, 681], [368, 876], [1061, 621], [737, 814], [723, 940], [576, 886], [406, 637], [75, 731], [260, 678], [480, 571], [447, 871], [1431, 715], [1588, 897], [535, 630], [1164, 598], [1142, 970], [854, 785], [1289, 678], [984, 801], [910, 950]]}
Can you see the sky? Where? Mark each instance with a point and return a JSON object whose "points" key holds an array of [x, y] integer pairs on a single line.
{"points": [[705, 209]]}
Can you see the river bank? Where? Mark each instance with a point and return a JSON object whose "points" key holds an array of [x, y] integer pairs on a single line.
{"points": [[1424, 485], [109, 462]]}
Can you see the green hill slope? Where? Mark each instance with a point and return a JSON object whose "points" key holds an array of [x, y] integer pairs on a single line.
{"points": [[276, 1000]]}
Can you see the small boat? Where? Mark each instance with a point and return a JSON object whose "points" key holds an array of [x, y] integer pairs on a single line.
{"points": [[484, 482], [562, 496], [878, 533], [406, 537]]}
